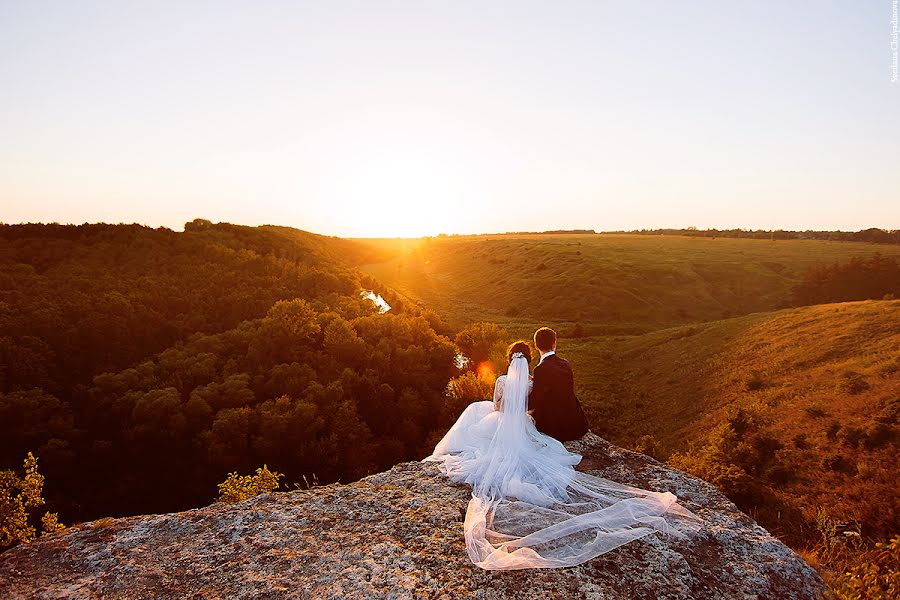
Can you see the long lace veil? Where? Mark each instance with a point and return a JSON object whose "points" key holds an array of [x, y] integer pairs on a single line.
{"points": [[531, 509]]}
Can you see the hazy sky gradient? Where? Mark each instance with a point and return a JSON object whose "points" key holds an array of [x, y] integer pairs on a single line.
{"points": [[421, 117]]}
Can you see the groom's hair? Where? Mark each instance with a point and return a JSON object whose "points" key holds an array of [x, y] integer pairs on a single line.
{"points": [[544, 338], [519, 346]]}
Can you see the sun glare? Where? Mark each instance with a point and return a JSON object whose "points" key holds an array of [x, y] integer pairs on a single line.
{"points": [[393, 174], [398, 194]]}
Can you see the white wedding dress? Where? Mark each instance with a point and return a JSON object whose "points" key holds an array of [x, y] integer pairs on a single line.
{"points": [[530, 508]]}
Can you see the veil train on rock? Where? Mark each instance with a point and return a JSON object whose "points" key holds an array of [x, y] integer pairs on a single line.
{"points": [[530, 508]]}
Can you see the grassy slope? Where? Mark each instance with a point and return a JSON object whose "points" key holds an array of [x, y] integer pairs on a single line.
{"points": [[608, 284], [691, 364], [818, 366], [676, 384]]}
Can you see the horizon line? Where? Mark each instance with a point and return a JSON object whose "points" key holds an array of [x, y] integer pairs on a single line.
{"points": [[573, 231]]}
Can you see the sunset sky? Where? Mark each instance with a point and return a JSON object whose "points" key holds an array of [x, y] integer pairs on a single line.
{"points": [[383, 118]]}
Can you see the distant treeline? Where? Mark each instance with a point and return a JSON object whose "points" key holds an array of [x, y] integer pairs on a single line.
{"points": [[874, 235], [142, 365], [550, 232], [555, 232], [873, 278]]}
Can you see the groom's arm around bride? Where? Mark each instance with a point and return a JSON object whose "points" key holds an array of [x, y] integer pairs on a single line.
{"points": [[555, 409]]}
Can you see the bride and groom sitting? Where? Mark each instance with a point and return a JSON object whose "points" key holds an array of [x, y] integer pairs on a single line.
{"points": [[530, 508], [546, 403], [551, 400]]}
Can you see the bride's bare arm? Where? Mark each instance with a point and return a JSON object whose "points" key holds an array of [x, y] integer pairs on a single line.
{"points": [[498, 393]]}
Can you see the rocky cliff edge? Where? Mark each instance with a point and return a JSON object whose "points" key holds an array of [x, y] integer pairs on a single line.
{"points": [[398, 534]]}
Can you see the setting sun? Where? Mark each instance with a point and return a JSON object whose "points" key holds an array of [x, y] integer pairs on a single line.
{"points": [[397, 194], [427, 118]]}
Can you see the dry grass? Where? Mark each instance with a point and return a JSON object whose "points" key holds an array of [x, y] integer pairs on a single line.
{"points": [[608, 284], [679, 384], [685, 330]]}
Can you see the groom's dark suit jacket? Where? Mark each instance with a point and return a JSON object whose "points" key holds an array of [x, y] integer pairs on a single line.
{"points": [[557, 411]]}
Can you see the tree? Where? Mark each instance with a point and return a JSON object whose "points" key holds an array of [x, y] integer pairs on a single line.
{"points": [[18, 496], [483, 342]]}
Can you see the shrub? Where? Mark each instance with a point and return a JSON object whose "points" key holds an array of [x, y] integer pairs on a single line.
{"points": [[832, 431], [853, 436], [779, 474], [731, 479], [754, 381], [871, 574], [877, 435], [853, 383], [853, 568], [577, 331], [463, 390], [648, 445], [838, 463], [17, 497], [480, 342], [800, 441], [865, 469], [237, 488], [766, 445], [816, 410]]}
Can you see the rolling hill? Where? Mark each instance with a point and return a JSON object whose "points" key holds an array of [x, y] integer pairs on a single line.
{"points": [[804, 401], [605, 284], [684, 348]]}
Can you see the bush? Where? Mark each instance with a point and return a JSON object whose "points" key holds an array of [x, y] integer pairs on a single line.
{"points": [[816, 410], [839, 464], [871, 574], [853, 383], [853, 436], [577, 331], [779, 474], [853, 568], [17, 497], [648, 445], [878, 435], [754, 381], [766, 445], [237, 488], [480, 342], [729, 478], [462, 391], [832, 432]]}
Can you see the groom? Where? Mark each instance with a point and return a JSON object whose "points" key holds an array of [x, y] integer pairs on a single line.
{"points": [[552, 402]]}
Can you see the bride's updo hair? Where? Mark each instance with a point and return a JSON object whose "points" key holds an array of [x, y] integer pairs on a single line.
{"points": [[519, 346]]}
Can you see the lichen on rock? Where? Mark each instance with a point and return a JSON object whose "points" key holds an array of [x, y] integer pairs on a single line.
{"points": [[398, 534]]}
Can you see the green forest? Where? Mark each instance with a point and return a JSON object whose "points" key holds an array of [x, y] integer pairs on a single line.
{"points": [[141, 365]]}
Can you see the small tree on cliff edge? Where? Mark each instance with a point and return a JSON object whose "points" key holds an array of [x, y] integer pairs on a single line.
{"points": [[19, 496]]}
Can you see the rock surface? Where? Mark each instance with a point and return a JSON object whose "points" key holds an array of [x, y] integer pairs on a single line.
{"points": [[398, 534]]}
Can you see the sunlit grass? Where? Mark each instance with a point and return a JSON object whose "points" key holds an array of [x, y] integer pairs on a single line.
{"points": [[621, 284], [677, 333]]}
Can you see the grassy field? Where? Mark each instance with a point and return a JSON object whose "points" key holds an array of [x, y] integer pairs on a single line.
{"points": [[606, 284], [822, 384], [676, 383], [690, 341]]}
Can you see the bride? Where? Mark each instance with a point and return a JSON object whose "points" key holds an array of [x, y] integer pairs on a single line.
{"points": [[530, 508]]}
